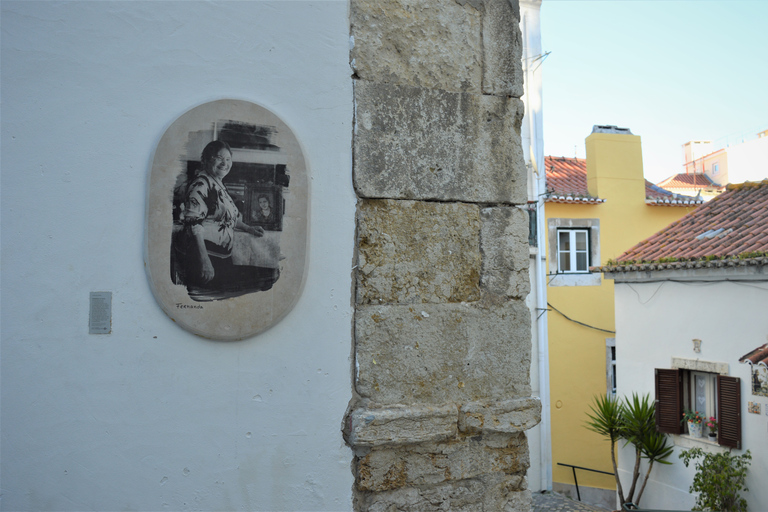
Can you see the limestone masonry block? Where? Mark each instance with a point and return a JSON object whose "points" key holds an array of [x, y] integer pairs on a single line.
{"points": [[414, 252], [439, 353], [517, 501], [504, 244], [424, 43], [413, 143], [506, 416], [502, 49], [485, 494], [401, 425], [465, 496], [430, 464]]}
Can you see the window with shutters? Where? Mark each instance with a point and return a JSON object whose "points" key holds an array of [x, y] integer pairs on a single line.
{"points": [[711, 394]]}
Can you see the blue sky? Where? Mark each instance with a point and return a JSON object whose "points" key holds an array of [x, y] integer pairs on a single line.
{"points": [[669, 70]]}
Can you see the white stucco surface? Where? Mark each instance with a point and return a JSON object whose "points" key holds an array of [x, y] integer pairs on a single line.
{"points": [[748, 161], [657, 321], [151, 417]]}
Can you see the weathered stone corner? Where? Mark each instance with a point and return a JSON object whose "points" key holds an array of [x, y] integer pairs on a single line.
{"points": [[460, 45], [482, 494], [399, 425], [502, 49], [412, 252], [434, 354], [428, 144], [430, 464], [508, 416], [441, 330], [504, 245]]}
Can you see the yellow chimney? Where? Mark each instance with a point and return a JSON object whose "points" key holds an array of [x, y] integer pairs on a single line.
{"points": [[615, 164]]}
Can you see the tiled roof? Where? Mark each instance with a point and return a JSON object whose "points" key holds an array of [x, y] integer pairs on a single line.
{"points": [[732, 224], [757, 356], [690, 180], [656, 195], [567, 183]]}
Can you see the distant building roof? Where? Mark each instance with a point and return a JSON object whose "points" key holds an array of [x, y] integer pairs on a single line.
{"points": [[757, 356], [689, 181], [729, 230], [567, 183]]}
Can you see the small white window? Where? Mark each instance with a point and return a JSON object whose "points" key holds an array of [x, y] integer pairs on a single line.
{"points": [[572, 246], [715, 168], [610, 365], [572, 250]]}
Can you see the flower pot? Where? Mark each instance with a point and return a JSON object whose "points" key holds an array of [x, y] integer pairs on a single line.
{"points": [[712, 436], [695, 429]]}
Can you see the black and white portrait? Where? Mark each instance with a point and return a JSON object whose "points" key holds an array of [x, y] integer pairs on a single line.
{"points": [[227, 212], [228, 199]]}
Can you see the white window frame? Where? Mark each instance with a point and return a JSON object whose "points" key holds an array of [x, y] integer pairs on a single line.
{"points": [[555, 278], [573, 251]]}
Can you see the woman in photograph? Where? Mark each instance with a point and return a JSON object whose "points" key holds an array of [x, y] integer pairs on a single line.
{"points": [[263, 213], [211, 218]]}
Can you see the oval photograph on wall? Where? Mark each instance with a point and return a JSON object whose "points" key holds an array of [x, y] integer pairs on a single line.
{"points": [[227, 220]]}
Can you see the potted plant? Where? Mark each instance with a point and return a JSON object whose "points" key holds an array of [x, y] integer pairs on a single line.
{"points": [[694, 420], [712, 425], [719, 479]]}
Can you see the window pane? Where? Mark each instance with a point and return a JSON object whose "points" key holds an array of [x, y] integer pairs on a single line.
{"points": [[581, 241], [565, 240], [564, 261], [700, 394], [581, 261]]}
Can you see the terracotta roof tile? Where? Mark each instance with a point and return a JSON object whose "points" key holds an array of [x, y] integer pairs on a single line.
{"points": [[729, 225], [655, 194], [690, 180], [567, 183], [757, 356]]}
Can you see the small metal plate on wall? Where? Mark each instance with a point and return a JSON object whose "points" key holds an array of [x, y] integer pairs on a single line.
{"points": [[100, 313]]}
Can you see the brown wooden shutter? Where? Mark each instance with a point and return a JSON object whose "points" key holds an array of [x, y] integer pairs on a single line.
{"points": [[729, 411], [669, 401]]}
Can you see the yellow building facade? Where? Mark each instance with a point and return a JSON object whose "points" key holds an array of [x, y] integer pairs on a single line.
{"points": [[595, 209]]}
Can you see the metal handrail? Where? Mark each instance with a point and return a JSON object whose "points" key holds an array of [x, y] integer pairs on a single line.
{"points": [[631, 507], [575, 480]]}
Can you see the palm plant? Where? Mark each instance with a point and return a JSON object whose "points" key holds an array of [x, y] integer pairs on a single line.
{"points": [[607, 421], [632, 420]]}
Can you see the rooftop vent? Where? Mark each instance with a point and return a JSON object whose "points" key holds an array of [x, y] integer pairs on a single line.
{"points": [[609, 128], [712, 233]]}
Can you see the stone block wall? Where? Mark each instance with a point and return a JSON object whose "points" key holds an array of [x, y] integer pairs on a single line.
{"points": [[442, 334]]}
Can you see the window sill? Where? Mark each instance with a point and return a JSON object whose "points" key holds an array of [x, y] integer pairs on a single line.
{"points": [[575, 279], [686, 441]]}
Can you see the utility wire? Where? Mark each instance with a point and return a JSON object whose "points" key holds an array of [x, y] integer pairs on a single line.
{"points": [[577, 322]]}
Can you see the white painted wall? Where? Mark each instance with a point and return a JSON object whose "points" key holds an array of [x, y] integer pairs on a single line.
{"points": [[532, 135], [748, 161], [657, 321], [151, 417]]}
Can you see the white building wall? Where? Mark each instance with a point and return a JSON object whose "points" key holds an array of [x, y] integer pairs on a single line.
{"points": [[658, 321], [151, 417], [532, 134], [748, 161]]}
